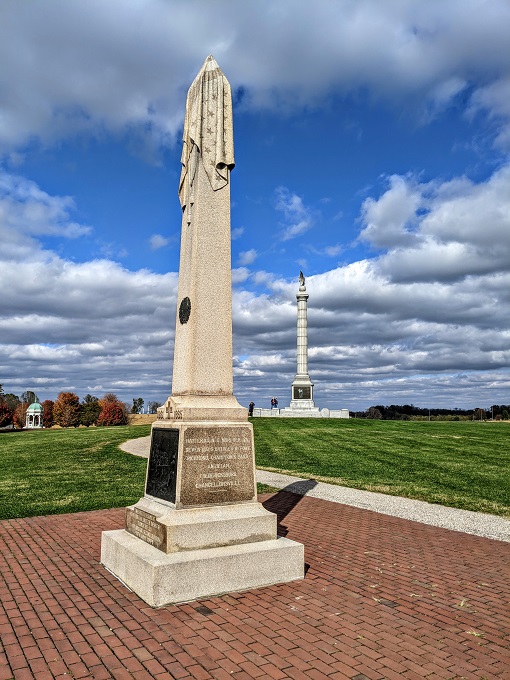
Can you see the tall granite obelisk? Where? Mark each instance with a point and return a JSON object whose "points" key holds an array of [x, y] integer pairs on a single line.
{"points": [[199, 530], [302, 387]]}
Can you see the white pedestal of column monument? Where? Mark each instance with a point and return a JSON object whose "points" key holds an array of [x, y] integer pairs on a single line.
{"points": [[199, 530]]}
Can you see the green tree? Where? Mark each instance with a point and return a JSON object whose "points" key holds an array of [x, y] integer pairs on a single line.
{"points": [[373, 413], [137, 405], [29, 397], [90, 410], [66, 410]]}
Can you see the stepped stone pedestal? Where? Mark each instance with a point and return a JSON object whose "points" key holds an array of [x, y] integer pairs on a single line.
{"points": [[199, 530]]}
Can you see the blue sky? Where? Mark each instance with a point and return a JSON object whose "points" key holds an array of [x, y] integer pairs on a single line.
{"points": [[371, 144]]}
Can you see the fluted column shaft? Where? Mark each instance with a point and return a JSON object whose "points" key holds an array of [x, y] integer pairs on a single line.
{"points": [[302, 334]]}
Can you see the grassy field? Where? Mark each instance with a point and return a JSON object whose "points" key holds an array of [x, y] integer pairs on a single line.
{"points": [[53, 471], [464, 465]]}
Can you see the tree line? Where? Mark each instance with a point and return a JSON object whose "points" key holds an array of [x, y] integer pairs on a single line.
{"points": [[411, 412], [68, 411]]}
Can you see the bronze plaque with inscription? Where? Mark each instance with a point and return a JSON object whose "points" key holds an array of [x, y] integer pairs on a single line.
{"points": [[162, 471], [302, 392], [217, 465], [144, 525]]}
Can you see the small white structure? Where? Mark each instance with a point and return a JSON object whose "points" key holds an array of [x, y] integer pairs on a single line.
{"points": [[34, 417]]}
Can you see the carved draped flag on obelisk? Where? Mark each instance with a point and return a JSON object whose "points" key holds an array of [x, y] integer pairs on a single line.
{"points": [[203, 337], [199, 530]]}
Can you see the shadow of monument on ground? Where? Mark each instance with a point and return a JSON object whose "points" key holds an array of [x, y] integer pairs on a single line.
{"points": [[286, 499]]}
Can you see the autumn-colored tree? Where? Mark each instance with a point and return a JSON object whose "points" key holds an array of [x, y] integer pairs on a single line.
{"points": [[48, 413], [113, 411], [66, 410], [20, 415], [11, 400], [6, 414]]}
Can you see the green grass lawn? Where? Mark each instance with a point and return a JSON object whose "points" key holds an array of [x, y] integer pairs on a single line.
{"points": [[46, 472], [464, 465], [459, 464]]}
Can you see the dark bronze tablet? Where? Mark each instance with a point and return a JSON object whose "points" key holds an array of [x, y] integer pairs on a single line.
{"points": [[162, 472], [302, 392]]}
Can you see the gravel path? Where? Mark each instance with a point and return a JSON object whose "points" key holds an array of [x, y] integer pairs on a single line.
{"points": [[477, 523]]}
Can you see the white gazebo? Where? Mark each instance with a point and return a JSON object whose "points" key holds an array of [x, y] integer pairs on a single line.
{"points": [[34, 418]]}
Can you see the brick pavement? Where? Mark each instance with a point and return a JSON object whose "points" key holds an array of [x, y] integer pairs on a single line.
{"points": [[383, 598]]}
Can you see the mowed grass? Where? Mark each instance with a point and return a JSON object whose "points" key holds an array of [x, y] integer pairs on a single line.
{"points": [[464, 465], [55, 471], [459, 464]]}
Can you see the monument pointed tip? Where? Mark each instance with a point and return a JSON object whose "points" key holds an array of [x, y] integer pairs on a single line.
{"points": [[210, 63]]}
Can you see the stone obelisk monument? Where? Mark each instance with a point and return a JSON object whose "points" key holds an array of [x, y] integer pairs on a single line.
{"points": [[302, 387], [199, 530]]}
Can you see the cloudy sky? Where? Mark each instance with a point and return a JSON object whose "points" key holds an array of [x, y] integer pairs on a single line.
{"points": [[372, 146]]}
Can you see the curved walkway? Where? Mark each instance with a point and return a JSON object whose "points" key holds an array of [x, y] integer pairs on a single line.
{"points": [[476, 523]]}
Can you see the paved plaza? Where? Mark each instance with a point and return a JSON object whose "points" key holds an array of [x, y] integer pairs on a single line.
{"points": [[383, 597]]}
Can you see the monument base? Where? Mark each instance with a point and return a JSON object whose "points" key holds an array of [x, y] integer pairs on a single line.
{"points": [[303, 405], [172, 530], [300, 413], [294, 412], [160, 578]]}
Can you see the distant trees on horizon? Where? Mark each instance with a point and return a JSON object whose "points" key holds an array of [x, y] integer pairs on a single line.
{"points": [[68, 411], [411, 412]]}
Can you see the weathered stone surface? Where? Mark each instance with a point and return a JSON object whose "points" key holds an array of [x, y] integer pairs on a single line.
{"points": [[217, 465], [203, 344], [161, 579], [144, 525], [172, 530]]}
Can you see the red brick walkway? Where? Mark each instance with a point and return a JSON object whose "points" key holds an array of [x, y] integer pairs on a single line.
{"points": [[383, 598]]}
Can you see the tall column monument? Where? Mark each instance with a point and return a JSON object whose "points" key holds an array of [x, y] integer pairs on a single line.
{"points": [[199, 530], [302, 387]]}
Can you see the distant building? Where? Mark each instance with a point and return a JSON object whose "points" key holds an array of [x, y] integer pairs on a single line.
{"points": [[34, 418]]}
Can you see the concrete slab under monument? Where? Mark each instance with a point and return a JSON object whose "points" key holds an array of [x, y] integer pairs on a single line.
{"points": [[199, 530]]}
